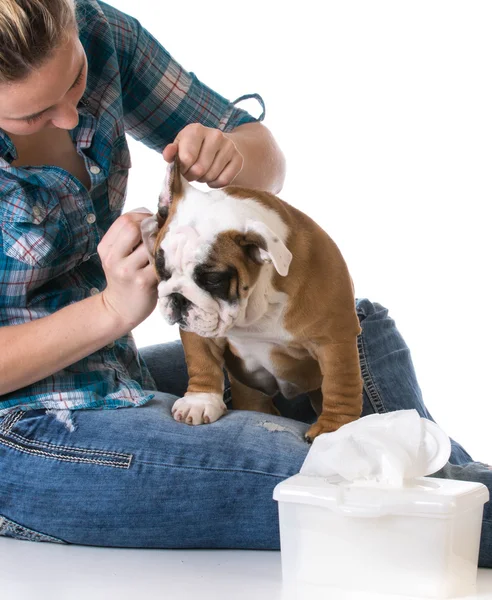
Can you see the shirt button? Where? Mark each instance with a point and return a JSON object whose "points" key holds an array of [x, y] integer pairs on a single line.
{"points": [[95, 170], [91, 218], [36, 210], [110, 345], [94, 291]]}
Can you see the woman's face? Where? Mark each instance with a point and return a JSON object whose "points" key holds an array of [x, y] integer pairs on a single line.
{"points": [[48, 97]]}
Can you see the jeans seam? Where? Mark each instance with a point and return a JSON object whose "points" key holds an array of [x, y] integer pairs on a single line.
{"points": [[122, 464], [249, 471], [49, 446], [368, 380], [10, 420]]}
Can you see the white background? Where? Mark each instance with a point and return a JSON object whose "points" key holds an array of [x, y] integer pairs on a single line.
{"points": [[384, 112]]}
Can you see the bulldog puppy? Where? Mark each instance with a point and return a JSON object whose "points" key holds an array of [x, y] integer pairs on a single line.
{"points": [[259, 288]]}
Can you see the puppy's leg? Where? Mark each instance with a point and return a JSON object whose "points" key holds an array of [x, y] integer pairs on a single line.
{"points": [[246, 398], [203, 401], [341, 387], [316, 398]]}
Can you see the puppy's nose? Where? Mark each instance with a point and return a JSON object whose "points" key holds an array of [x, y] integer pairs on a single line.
{"points": [[179, 302]]}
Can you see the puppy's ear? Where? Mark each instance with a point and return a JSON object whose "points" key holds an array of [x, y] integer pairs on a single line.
{"points": [[172, 189], [264, 246], [150, 228]]}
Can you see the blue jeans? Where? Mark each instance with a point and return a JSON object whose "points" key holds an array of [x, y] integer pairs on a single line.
{"points": [[134, 477]]}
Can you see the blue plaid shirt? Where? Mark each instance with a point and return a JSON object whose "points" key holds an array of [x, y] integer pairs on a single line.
{"points": [[51, 225]]}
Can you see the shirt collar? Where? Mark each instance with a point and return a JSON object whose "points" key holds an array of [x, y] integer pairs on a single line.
{"points": [[8, 153]]}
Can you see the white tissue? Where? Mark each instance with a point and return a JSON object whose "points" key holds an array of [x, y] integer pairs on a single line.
{"points": [[388, 449]]}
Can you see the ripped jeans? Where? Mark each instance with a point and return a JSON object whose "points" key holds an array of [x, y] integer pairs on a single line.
{"points": [[134, 477]]}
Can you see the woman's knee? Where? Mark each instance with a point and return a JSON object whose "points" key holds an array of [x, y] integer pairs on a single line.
{"points": [[167, 365], [367, 309]]}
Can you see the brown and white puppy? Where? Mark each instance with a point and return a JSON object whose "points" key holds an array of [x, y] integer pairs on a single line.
{"points": [[258, 287]]}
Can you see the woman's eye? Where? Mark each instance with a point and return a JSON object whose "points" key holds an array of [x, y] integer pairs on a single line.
{"points": [[32, 120], [78, 81]]}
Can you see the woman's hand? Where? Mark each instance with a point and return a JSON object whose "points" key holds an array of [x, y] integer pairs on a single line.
{"points": [[131, 292], [206, 155]]}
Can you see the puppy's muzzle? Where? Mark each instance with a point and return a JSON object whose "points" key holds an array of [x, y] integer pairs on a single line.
{"points": [[179, 305]]}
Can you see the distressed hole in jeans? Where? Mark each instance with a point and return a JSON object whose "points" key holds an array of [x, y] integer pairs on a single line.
{"points": [[63, 416], [276, 428]]}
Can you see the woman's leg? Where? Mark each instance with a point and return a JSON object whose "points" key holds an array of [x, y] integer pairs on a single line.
{"points": [[136, 478], [388, 373], [167, 365], [390, 384], [389, 378]]}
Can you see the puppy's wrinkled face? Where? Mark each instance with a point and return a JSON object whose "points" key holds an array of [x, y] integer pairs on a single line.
{"points": [[210, 250], [205, 289]]}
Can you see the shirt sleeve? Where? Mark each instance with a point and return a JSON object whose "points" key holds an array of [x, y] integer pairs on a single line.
{"points": [[159, 96]]}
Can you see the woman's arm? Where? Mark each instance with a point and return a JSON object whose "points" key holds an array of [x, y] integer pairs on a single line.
{"points": [[32, 351], [264, 162], [248, 156], [165, 106], [35, 350]]}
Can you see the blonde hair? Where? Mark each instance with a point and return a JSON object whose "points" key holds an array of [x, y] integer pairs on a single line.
{"points": [[30, 30]]}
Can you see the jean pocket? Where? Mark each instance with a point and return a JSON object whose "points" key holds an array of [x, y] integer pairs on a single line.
{"points": [[18, 432], [16, 531], [37, 234]]}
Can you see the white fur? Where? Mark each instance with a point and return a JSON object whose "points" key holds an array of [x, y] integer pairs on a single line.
{"points": [[276, 253], [200, 217], [199, 408], [254, 340], [209, 213], [255, 325]]}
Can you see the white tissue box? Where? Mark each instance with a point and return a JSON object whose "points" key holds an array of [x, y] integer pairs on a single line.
{"points": [[421, 540]]}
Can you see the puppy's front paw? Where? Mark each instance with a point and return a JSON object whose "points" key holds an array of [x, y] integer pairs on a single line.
{"points": [[321, 426], [199, 408]]}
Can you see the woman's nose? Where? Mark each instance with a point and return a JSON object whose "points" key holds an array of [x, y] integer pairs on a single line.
{"points": [[66, 117]]}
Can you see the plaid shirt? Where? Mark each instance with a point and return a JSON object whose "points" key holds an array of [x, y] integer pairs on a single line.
{"points": [[51, 225]]}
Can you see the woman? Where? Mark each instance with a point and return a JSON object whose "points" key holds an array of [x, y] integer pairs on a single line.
{"points": [[75, 281]]}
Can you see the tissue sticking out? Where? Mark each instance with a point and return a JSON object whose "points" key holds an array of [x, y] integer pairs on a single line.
{"points": [[388, 449]]}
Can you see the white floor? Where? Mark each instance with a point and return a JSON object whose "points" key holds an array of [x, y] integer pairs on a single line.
{"points": [[30, 571]]}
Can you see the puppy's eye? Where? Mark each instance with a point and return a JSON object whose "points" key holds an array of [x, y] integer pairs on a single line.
{"points": [[215, 278], [218, 283]]}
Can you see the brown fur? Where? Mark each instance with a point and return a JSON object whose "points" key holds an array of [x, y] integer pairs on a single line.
{"points": [[205, 361], [229, 250], [177, 194], [247, 398], [322, 359], [321, 316], [324, 355]]}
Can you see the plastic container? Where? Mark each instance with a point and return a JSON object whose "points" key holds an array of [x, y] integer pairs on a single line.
{"points": [[421, 540]]}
